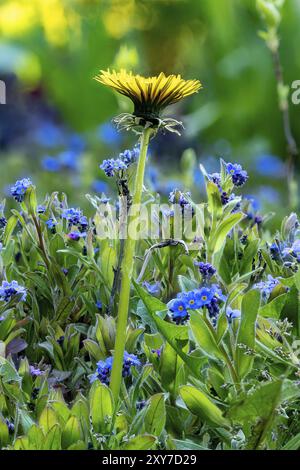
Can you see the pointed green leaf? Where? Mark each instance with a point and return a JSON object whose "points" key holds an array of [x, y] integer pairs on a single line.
{"points": [[155, 417], [101, 407], [202, 406]]}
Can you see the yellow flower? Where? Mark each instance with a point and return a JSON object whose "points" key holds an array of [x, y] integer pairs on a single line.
{"points": [[150, 95]]}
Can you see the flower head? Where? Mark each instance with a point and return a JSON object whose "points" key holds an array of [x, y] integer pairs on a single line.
{"points": [[75, 236], [18, 190], [238, 175], [41, 209], [209, 297], [204, 296], [178, 308], [35, 371], [178, 197], [150, 95], [206, 270], [130, 156], [215, 178], [104, 368], [112, 166], [266, 287], [232, 314], [51, 224], [153, 288], [10, 289], [75, 217]]}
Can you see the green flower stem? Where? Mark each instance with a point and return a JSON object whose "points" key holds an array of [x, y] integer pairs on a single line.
{"points": [[126, 273]]}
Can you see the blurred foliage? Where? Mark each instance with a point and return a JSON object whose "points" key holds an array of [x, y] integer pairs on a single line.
{"points": [[51, 49]]}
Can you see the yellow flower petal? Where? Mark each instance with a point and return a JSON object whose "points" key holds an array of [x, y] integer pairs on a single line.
{"points": [[150, 95]]}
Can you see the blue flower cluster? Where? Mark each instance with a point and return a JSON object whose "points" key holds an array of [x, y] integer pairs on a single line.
{"points": [[75, 236], [266, 287], [3, 222], [153, 288], [207, 271], [41, 209], [51, 224], [75, 217], [18, 190], [238, 175], [232, 314], [209, 297], [112, 167], [104, 368], [35, 371], [178, 197], [286, 252], [10, 289]]}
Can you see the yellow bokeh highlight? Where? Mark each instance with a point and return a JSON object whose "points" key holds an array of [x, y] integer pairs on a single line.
{"points": [[54, 21], [126, 58], [56, 18], [17, 17]]}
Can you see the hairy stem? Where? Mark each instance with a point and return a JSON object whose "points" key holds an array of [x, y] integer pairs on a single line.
{"points": [[126, 273], [290, 140]]}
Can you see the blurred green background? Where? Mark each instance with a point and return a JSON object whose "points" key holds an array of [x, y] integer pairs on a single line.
{"points": [[56, 126]]}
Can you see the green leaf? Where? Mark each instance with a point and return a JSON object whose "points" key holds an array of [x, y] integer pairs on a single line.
{"points": [[274, 308], [71, 432], [260, 407], [200, 405], [30, 201], [155, 417], [36, 437], [79, 445], [53, 439], [4, 434], [9, 228], [21, 443], [48, 419], [8, 372], [171, 370], [222, 230], [214, 199], [142, 442], [61, 410], [205, 336], [188, 445], [187, 284], [101, 407], [246, 333], [25, 421], [292, 444], [248, 255]]}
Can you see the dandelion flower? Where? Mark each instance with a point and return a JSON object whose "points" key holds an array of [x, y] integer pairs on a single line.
{"points": [[150, 95]]}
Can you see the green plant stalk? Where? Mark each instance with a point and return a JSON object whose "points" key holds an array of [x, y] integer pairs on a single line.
{"points": [[126, 273]]}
